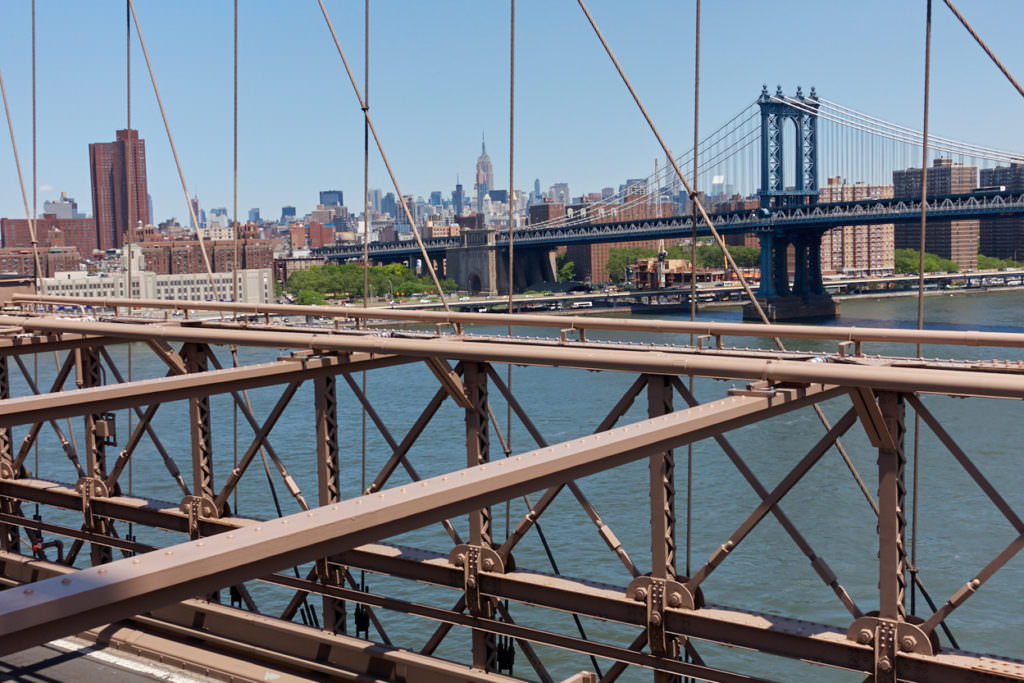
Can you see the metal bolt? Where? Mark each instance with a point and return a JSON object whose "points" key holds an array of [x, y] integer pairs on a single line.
{"points": [[656, 618], [865, 636], [460, 560], [640, 595], [675, 600], [908, 643], [488, 564], [471, 582], [884, 664]]}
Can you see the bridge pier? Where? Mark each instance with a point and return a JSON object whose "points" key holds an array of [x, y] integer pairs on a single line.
{"points": [[806, 298], [481, 266]]}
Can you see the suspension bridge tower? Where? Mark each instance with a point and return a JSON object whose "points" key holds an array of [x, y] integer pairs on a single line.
{"points": [[790, 250]]}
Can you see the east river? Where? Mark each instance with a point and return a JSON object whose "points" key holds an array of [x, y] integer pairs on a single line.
{"points": [[959, 530]]}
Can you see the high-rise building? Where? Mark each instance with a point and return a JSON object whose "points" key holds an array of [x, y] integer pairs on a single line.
{"points": [[435, 198], [332, 198], [254, 216], [373, 199], [458, 198], [196, 214], [953, 240], [388, 205], [484, 177], [287, 214], [120, 200], [856, 249]]}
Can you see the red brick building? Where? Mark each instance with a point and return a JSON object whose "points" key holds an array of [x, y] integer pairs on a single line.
{"points": [[22, 262], [173, 257], [120, 197], [51, 232]]}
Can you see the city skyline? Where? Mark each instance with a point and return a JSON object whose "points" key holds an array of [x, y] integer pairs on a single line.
{"points": [[562, 76]]}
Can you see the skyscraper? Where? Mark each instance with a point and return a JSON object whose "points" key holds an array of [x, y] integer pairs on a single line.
{"points": [[484, 177], [458, 198], [287, 214], [332, 198], [120, 199]]}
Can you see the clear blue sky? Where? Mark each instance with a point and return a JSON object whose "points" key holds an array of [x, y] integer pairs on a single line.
{"points": [[439, 77]]}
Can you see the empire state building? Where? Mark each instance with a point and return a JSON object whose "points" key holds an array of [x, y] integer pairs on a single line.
{"points": [[484, 177]]}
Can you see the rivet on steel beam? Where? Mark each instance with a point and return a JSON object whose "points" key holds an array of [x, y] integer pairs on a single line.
{"points": [[488, 564], [655, 618], [884, 664], [908, 643], [460, 560], [865, 636], [640, 595], [675, 600]]}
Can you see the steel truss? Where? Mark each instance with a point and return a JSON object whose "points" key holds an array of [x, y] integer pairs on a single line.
{"points": [[150, 591]]}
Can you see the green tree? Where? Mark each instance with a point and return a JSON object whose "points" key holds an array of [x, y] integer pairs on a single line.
{"points": [[710, 256], [566, 271], [991, 262], [309, 297], [907, 260]]}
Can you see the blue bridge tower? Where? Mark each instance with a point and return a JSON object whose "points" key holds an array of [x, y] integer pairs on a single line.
{"points": [[805, 297]]}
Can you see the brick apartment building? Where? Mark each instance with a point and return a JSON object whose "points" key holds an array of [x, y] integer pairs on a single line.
{"points": [[52, 260], [174, 257], [51, 232], [857, 249], [954, 240]]}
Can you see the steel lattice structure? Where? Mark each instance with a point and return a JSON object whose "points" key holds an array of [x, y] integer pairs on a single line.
{"points": [[164, 601]]}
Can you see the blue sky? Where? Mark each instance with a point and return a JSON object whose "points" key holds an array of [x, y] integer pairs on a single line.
{"points": [[439, 77]]}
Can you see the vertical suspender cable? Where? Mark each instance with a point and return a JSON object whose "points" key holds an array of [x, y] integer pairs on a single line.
{"points": [[511, 155], [234, 195], [366, 197], [693, 275], [511, 225], [131, 148], [920, 290], [234, 273], [35, 180]]}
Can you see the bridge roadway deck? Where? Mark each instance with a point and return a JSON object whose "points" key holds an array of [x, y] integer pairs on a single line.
{"points": [[815, 217]]}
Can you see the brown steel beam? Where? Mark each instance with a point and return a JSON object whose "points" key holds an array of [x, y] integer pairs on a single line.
{"points": [[130, 586], [714, 329], [929, 380], [32, 409]]}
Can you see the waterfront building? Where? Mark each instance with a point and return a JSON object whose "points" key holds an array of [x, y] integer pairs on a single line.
{"points": [[120, 199], [254, 285], [954, 240]]}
